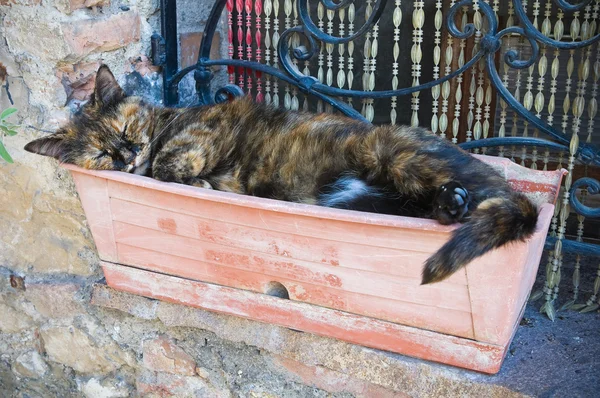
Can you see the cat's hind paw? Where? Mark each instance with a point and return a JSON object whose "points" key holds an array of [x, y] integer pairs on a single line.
{"points": [[452, 203]]}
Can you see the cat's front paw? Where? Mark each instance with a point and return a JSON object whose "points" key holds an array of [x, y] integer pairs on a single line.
{"points": [[452, 203], [200, 183]]}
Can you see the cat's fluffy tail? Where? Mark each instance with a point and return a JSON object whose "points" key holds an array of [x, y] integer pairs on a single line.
{"points": [[495, 222]]}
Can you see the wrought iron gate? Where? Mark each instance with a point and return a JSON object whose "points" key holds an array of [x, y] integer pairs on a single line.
{"points": [[266, 58]]}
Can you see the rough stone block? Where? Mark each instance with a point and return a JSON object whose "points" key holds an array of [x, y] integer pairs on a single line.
{"points": [[97, 35], [138, 306], [13, 321], [108, 388], [78, 4], [157, 384], [72, 347], [30, 364], [20, 2], [190, 47], [332, 381], [55, 300], [162, 355]]}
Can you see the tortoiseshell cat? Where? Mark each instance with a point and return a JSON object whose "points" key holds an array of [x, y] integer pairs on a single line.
{"points": [[327, 160]]}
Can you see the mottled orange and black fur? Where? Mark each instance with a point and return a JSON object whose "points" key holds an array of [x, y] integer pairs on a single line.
{"points": [[328, 160]]}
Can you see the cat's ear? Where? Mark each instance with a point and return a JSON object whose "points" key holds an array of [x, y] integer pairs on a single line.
{"points": [[107, 88], [54, 146]]}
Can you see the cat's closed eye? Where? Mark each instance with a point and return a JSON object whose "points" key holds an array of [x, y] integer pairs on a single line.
{"points": [[101, 155]]}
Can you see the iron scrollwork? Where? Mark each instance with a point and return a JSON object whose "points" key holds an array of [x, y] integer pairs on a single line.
{"points": [[489, 45]]}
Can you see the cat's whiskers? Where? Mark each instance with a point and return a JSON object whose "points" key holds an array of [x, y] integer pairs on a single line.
{"points": [[157, 136]]}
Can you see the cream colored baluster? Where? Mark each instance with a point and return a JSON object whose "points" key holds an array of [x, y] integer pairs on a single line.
{"points": [[567, 100], [437, 55], [275, 99], [488, 91], [445, 88], [590, 305], [587, 31], [592, 112], [488, 88], [350, 74], [543, 60], [268, 9], [329, 49], [479, 92], [577, 109], [459, 80], [558, 34], [517, 94], [554, 70], [547, 31], [540, 100], [288, 9], [366, 60], [321, 57], [306, 71], [473, 84], [416, 54], [397, 20], [341, 75], [527, 103], [372, 75], [295, 44], [505, 76]]}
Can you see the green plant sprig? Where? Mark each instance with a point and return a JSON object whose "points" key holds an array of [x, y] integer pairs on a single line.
{"points": [[6, 129]]}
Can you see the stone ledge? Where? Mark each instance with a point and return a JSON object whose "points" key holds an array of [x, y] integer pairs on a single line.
{"points": [[323, 362]]}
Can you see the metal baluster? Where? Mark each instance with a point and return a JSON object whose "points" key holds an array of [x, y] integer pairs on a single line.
{"points": [[275, 50], [258, 55], [350, 75], [397, 20], [416, 55], [321, 72], [268, 9], [436, 121], [341, 75], [230, 69]]}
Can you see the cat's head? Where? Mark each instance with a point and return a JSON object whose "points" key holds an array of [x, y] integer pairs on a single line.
{"points": [[111, 132]]}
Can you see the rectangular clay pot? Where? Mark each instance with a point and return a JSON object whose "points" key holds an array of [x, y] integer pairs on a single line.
{"points": [[349, 275]]}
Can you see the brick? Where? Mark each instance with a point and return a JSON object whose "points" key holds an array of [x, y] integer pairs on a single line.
{"points": [[78, 80], [55, 300], [190, 47], [96, 35], [161, 355], [143, 65]]}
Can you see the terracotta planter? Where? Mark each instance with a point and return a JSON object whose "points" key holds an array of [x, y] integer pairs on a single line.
{"points": [[349, 275]]}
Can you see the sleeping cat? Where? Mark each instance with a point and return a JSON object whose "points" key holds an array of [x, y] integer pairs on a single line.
{"points": [[328, 160]]}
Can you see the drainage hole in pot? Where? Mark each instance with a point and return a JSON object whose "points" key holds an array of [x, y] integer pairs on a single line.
{"points": [[276, 289]]}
